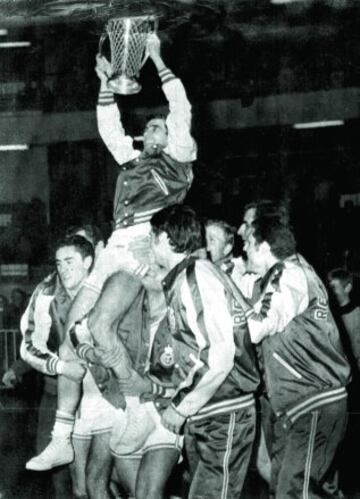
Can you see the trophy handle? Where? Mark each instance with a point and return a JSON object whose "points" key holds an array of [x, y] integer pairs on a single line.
{"points": [[155, 21], [101, 41]]}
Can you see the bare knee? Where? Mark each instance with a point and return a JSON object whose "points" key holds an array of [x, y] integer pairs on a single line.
{"points": [[97, 480], [118, 294]]}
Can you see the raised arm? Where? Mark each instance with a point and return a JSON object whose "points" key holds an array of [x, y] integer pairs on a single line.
{"points": [[181, 145], [109, 119]]}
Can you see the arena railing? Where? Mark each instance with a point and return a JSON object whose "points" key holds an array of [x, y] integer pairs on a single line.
{"points": [[10, 340]]}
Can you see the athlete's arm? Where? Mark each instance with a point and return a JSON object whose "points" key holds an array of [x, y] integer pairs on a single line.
{"points": [[181, 145], [35, 327], [109, 119], [289, 299]]}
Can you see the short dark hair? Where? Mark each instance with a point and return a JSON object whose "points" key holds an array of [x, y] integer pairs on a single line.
{"points": [[157, 116], [80, 243], [183, 227], [229, 230], [93, 233], [270, 207], [342, 275], [278, 235]]}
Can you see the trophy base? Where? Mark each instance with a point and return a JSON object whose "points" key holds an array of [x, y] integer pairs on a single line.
{"points": [[124, 85]]}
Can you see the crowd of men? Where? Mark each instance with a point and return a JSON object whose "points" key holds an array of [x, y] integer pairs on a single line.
{"points": [[162, 346]]}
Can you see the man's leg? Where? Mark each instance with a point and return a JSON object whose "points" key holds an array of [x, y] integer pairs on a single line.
{"points": [[60, 451], [119, 294], [161, 452], [224, 445], [60, 478], [98, 467], [310, 446], [126, 473], [263, 460], [78, 467], [155, 469]]}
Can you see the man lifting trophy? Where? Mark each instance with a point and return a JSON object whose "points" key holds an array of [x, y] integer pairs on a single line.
{"points": [[158, 176]]}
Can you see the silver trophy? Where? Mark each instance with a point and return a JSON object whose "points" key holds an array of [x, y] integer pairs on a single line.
{"points": [[128, 37]]}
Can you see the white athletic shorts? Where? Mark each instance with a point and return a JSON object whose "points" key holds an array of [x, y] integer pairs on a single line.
{"points": [[95, 414], [121, 239], [141, 431]]}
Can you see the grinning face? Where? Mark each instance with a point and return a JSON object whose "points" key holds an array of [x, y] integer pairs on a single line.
{"points": [[155, 136], [71, 267], [246, 226], [216, 243]]}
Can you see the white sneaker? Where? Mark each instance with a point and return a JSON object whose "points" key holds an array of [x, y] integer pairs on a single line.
{"points": [[57, 453]]}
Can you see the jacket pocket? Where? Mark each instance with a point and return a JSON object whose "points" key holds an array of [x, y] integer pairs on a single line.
{"points": [[286, 365]]}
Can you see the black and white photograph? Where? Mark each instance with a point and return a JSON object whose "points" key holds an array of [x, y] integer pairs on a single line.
{"points": [[179, 249]]}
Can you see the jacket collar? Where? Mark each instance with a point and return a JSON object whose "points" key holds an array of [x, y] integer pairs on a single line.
{"points": [[170, 278]]}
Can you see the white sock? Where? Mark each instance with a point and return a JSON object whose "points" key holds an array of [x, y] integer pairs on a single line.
{"points": [[64, 423]]}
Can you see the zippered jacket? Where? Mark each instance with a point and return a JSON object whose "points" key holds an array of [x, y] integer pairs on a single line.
{"points": [[211, 341], [304, 362]]}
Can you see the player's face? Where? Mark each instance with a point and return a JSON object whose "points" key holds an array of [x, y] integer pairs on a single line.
{"points": [[255, 255], [71, 267], [246, 226], [155, 136], [216, 243]]}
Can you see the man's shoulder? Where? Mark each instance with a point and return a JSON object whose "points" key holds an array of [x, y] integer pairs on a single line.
{"points": [[47, 286]]}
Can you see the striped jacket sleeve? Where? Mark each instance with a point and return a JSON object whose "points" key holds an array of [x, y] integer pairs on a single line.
{"points": [[160, 389], [283, 299], [111, 130], [35, 327], [210, 329], [181, 145]]}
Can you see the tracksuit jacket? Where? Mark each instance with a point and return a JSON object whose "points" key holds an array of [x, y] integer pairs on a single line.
{"points": [[304, 362], [147, 184], [211, 342], [42, 327]]}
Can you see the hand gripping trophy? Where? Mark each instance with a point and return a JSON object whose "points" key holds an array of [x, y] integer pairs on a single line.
{"points": [[128, 37]]}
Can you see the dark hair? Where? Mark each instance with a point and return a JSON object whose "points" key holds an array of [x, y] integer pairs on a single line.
{"points": [[229, 230], [342, 275], [183, 227], [269, 207], [278, 235], [80, 243], [93, 233], [156, 116]]}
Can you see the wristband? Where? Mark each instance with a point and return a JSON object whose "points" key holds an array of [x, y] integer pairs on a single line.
{"points": [[60, 367]]}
